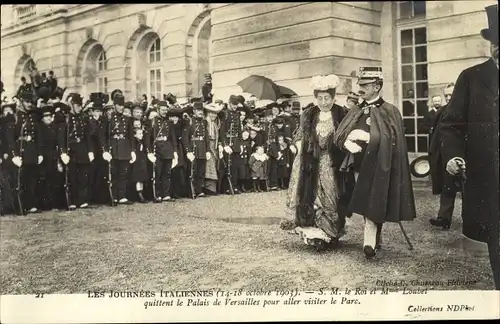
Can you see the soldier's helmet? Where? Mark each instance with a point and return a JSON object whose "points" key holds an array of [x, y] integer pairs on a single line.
{"points": [[75, 98], [117, 97], [98, 99]]}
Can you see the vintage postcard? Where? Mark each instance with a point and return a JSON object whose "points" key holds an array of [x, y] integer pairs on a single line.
{"points": [[292, 161]]}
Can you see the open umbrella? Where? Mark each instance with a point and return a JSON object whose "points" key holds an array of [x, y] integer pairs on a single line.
{"points": [[286, 92], [261, 87]]}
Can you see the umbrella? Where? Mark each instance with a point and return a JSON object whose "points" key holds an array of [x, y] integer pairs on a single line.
{"points": [[286, 92], [261, 87]]}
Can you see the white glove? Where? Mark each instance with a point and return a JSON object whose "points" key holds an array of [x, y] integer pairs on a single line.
{"points": [[221, 150], [359, 135], [352, 147], [18, 161], [152, 158], [190, 156], [293, 149], [5, 156], [65, 158], [132, 157], [454, 165], [208, 155], [39, 102], [107, 156], [40, 159], [228, 150], [175, 161], [91, 156]]}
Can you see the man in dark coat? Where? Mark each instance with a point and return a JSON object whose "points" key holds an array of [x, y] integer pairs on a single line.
{"points": [[206, 89], [443, 184], [373, 134], [469, 131]]}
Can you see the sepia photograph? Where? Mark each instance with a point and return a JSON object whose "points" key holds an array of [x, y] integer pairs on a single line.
{"points": [[202, 161]]}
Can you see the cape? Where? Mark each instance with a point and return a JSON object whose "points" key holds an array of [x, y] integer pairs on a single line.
{"points": [[383, 192]]}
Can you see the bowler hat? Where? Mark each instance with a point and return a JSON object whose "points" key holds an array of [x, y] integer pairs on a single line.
{"points": [[58, 93], [491, 33], [170, 98]]}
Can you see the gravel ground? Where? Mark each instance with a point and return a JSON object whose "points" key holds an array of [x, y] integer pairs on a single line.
{"points": [[219, 242]]}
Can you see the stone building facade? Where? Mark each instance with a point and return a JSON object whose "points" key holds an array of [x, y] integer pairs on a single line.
{"points": [[159, 48]]}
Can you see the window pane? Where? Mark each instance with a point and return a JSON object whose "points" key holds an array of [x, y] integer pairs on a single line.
{"points": [[421, 70], [410, 143], [407, 55], [104, 65], [408, 90], [422, 90], [151, 86], [158, 56], [420, 35], [407, 37], [418, 8], [405, 9], [151, 75], [157, 44], [422, 142], [408, 108], [421, 54], [158, 75], [422, 107], [409, 125], [420, 126], [158, 86], [151, 57], [407, 72]]}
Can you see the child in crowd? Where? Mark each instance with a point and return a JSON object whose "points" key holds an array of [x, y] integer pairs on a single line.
{"points": [[258, 168], [139, 173], [283, 165], [243, 168]]}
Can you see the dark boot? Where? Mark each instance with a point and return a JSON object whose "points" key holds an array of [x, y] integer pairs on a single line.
{"points": [[440, 222], [141, 197]]}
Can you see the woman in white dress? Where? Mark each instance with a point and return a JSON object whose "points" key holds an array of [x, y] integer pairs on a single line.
{"points": [[314, 193]]}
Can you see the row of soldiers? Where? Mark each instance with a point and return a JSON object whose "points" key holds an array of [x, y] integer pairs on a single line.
{"points": [[59, 152]]}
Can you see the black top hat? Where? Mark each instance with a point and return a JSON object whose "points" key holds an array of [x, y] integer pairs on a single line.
{"points": [[98, 99], [170, 98], [27, 96], [296, 106], [491, 33], [233, 100], [58, 93], [175, 112], [75, 98]]}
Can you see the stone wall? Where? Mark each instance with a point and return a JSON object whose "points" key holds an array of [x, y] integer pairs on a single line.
{"points": [[291, 42], [454, 42]]}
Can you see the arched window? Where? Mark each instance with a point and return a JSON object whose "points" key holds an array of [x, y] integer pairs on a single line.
{"points": [[155, 79], [102, 66]]}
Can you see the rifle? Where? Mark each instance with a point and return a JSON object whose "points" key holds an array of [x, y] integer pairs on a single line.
{"points": [[66, 167], [228, 165], [18, 185], [153, 178], [110, 181]]}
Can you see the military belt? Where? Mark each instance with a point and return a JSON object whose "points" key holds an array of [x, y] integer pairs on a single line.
{"points": [[197, 138], [161, 138], [120, 136], [27, 138]]}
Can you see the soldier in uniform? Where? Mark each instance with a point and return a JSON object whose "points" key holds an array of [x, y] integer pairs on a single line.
{"points": [[118, 144], [178, 186], [197, 142], [77, 151], [49, 175], [26, 150], [7, 168], [230, 134], [213, 164], [161, 147], [98, 167]]}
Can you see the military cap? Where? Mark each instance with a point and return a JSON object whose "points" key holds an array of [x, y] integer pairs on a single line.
{"points": [[46, 110], [98, 100], [61, 106], [162, 104], [44, 92], [192, 100], [115, 92], [241, 99], [278, 120], [233, 100], [139, 106], [213, 108], [369, 74], [27, 96], [197, 105]]}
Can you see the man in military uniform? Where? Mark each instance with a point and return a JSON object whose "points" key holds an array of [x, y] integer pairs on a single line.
{"points": [[49, 175], [118, 146], [161, 147], [98, 167], [77, 151], [24, 87], [198, 148], [230, 133], [206, 89], [7, 168], [26, 150]]}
